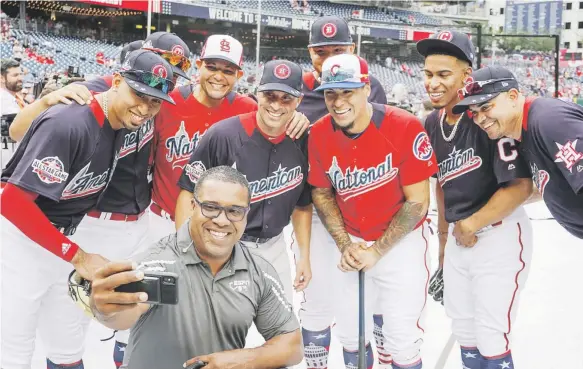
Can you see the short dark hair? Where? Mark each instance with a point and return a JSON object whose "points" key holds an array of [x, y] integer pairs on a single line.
{"points": [[440, 51], [225, 174], [8, 64]]}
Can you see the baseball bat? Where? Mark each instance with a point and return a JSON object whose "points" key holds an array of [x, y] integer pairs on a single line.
{"points": [[440, 364], [361, 340]]}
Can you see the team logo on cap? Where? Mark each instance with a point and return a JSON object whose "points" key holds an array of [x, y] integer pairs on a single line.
{"points": [[282, 71], [225, 46], [334, 69], [329, 30], [422, 148], [178, 49], [160, 71], [444, 36], [50, 170]]}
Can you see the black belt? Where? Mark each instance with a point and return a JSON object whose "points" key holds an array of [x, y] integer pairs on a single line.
{"points": [[67, 231], [248, 238]]}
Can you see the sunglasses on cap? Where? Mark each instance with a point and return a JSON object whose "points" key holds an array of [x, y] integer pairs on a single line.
{"points": [[176, 60], [477, 87], [149, 79]]}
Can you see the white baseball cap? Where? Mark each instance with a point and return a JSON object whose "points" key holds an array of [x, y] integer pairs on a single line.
{"points": [[223, 47], [344, 71]]}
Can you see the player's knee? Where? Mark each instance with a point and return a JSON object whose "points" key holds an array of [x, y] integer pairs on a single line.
{"points": [[464, 332], [491, 342]]}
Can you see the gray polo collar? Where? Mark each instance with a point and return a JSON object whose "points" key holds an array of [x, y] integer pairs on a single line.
{"points": [[190, 256]]}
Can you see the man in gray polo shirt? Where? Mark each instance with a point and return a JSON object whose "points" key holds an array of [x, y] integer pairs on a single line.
{"points": [[222, 289]]}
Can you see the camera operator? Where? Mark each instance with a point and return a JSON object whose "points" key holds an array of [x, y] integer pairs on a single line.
{"points": [[10, 84], [221, 289]]}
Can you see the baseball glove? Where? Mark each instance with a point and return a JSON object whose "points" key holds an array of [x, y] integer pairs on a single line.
{"points": [[436, 286], [80, 291]]}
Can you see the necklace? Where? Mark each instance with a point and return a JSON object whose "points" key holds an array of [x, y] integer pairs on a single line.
{"points": [[105, 109], [453, 131]]}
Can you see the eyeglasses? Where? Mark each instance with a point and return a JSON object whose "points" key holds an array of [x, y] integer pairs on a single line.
{"points": [[212, 211], [176, 60], [150, 79], [476, 87]]}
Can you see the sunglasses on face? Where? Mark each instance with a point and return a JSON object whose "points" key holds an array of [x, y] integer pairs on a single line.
{"points": [[212, 211], [150, 79], [174, 59], [477, 87]]}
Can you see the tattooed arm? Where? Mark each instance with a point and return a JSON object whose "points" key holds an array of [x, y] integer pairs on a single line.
{"points": [[405, 220], [325, 202]]}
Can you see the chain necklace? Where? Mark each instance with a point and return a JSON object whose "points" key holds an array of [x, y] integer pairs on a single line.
{"points": [[105, 109], [453, 131]]}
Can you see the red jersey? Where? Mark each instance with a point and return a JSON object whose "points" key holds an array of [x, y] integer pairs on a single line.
{"points": [[368, 172], [177, 131]]}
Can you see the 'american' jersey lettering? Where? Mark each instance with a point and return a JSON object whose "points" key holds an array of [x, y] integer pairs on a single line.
{"points": [[66, 157], [369, 172], [277, 171], [471, 167], [313, 105], [178, 131], [552, 143]]}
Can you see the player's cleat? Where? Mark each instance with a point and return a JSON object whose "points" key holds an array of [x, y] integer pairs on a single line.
{"points": [[436, 286]]}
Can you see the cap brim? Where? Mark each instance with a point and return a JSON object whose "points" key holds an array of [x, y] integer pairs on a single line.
{"points": [[340, 85], [150, 91], [221, 57], [328, 43], [472, 100], [180, 72], [424, 46], [279, 87]]}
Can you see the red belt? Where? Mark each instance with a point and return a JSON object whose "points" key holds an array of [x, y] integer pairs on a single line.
{"points": [[115, 216], [156, 209]]}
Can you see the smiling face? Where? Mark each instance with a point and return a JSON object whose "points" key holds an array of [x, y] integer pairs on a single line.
{"points": [[215, 238], [319, 54], [444, 76], [275, 109], [217, 77], [498, 117], [131, 108], [347, 106]]}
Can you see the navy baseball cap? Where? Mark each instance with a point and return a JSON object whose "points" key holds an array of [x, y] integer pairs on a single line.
{"points": [[148, 73], [484, 85], [344, 71], [169, 42], [281, 75], [455, 43], [132, 46], [330, 30]]}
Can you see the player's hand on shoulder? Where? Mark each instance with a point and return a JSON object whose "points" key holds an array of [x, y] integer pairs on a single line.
{"points": [[464, 234], [105, 301], [87, 264], [66, 95], [297, 126]]}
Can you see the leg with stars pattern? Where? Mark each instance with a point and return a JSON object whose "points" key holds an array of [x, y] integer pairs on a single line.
{"points": [[498, 362], [471, 358]]}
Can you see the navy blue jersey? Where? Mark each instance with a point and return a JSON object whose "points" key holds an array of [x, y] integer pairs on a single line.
{"points": [[66, 157], [552, 143], [277, 172], [471, 166], [129, 191], [313, 105]]}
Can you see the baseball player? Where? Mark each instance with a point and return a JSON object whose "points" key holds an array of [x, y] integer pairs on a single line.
{"points": [[275, 165], [118, 226], [550, 132], [58, 173], [483, 229], [362, 152], [329, 36], [179, 131]]}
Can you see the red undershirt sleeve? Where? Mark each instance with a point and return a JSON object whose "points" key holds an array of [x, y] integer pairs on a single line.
{"points": [[19, 208]]}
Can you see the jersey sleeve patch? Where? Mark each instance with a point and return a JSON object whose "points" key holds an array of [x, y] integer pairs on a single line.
{"points": [[422, 148], [50, 170], [194, 170]]}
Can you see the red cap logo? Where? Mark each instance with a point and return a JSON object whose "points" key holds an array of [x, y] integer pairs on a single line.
{"points": [[444, 36], [160, 71], [178, 49], [225, 46], [334, 69], [329, 30], [282, 71]]}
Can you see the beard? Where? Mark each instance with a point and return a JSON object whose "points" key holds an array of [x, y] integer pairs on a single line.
{"points": [[14, 87]]}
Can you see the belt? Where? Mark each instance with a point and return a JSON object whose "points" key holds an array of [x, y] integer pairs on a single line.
{"points": [[67, 231], [115, 216], [248, 238], [156, 209]]}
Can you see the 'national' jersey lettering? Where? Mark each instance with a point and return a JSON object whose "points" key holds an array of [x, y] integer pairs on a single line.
{"points": [[180, 146]]}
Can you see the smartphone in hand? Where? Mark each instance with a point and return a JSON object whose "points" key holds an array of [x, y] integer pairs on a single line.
{"points": [[161, 287]]}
